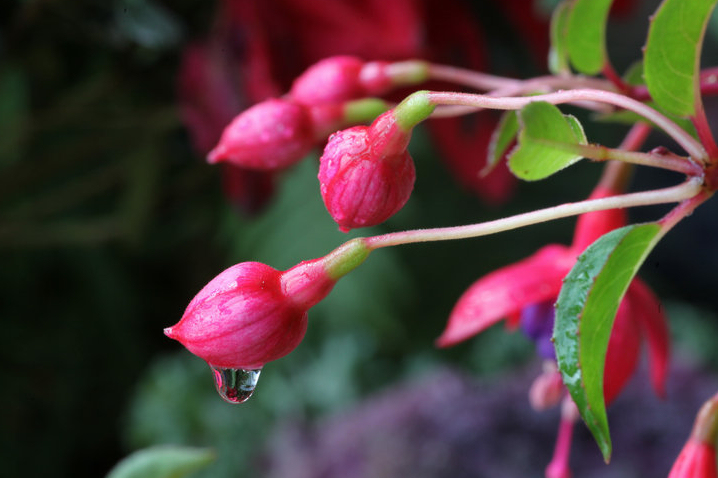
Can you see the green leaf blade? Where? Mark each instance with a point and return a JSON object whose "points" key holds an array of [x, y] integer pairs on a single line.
{"points": [[558, 53], [673, 51], [501, 139], [586, 35], [585, 312], [162, 462], [545, 142]]}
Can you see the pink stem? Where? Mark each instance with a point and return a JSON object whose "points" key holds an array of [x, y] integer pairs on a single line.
{"points": [[558, 467], [678, 193], [610, 73]]}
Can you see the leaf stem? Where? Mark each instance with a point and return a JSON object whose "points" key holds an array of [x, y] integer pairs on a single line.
{"points": [[688, 189], [602, 153], [687, 142]]}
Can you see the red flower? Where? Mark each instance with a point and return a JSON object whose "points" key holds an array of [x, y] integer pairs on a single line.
{"points": [[524, 294]]}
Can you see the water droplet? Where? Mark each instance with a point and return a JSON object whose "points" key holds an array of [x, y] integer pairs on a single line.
{"points": [[235, 385]]}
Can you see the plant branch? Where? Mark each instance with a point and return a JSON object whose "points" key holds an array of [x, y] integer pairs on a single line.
{"points": [[602, 153], [687, 142], [683, 191]]}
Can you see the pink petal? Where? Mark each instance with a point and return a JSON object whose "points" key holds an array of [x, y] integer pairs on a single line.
{"points": [[506, 291], [647, 312]]}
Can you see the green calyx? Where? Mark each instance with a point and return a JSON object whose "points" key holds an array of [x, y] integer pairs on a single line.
{"points": [[346, 258], [409, 72], [366, 109], [705, 428], [413, 110]]}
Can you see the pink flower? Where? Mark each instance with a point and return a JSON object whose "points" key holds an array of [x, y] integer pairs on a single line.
{"points": [[251, 313], [524, 294], [366, 173], [208, 100]]}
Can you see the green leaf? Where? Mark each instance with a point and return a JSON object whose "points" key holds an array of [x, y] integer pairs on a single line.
{"points": [[586, 35], [501, 139], [673, 51], [585, 312], [544, 141], [162, 462], [558, 53], [634, 74]]}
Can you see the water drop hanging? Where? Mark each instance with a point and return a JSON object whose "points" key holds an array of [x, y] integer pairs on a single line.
{"points": [[235, 385]]}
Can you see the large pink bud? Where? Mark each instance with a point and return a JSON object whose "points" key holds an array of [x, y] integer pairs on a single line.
{"points": [[251, 313], [366, 174], [270, 135]]}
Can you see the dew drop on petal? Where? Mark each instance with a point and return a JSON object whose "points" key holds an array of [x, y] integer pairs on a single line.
{"points": [[235, 385]]}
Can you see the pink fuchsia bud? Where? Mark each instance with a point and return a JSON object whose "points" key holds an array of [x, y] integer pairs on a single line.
{"points": [[366, 174], [362, 183], [547, 389], [698, 456], [251, 313], [342, 78], [278, 133], [270, 135]]}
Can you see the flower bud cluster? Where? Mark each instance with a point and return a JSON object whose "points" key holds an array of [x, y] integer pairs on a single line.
{"points": [[279, 132]]}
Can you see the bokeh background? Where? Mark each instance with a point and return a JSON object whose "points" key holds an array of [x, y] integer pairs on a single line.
{"points": [[110, 222]]}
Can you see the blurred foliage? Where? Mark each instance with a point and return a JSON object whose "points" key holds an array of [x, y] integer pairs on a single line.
{"points": [[109, 224]]}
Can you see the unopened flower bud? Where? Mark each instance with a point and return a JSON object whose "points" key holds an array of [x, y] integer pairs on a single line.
{"points": [[270, 135], [342, 78], [251, 313], [366, 174], [698, 456], [547, 389]]}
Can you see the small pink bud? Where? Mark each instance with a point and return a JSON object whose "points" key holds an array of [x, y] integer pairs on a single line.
{"points": [[698, 456], [270, 135], [251, 313], [696, 460], [366, 174], [547, 389], [338, 79]]}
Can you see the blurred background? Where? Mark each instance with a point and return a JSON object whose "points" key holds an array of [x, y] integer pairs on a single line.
{"points": [[111, 221]]}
